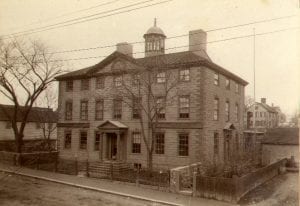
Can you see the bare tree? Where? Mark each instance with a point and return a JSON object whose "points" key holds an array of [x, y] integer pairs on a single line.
{"points": [[148, 99], [249, 101], [48, 117], [26, 70]]}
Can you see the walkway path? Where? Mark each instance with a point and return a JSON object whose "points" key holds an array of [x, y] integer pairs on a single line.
{"points": [[113, 187]]}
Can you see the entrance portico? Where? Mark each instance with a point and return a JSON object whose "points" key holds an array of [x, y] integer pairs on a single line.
{"points": [[113, 141]]}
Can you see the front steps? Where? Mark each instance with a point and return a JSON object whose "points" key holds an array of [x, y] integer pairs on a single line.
{"points": [[107, 168]]}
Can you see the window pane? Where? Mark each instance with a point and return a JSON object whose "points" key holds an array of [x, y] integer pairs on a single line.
{"points": [[69, 109], [216, 109], [69, 85], [97, 142], [68, 140], [118, 81], [99, 82], [161, 107]]}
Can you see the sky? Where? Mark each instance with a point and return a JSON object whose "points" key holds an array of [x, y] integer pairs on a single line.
{"points": [[277, 55]]}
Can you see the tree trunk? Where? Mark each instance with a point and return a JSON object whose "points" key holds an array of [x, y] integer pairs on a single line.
{"points": [[19, 143], [150, 160]]}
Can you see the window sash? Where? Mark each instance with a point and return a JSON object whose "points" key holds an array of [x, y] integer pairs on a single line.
{"points": [[100, 82], [227, 112], [161, 77], [97, 142], [85, 84], [69, 111], [161, 107], [69, 85], [216, 109], [117, 109], [83, 140], [135, 108], [84, 110], [216, 79], [118, 81], [216, 143], [184, 107], [227, 83], [136, 142], [183, 146], [99, 109], [160, 143], [68, 140], [184, 75]]}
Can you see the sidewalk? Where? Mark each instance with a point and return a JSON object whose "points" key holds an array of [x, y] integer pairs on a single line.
{"points": [[116, 188]]}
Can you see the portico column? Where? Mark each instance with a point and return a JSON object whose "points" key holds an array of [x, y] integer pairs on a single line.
{"points": [[104, 145], [118, 146]]}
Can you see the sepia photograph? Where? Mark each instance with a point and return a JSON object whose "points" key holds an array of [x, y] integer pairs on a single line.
{"points": [[149, 102]]}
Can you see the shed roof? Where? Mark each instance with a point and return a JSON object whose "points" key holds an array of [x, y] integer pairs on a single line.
{"points": [[37, 114]]}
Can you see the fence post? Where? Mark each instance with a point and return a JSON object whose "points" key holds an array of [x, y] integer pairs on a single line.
{"points": [[76, 166], [87, 168], [137, 181], [111, 170], [56, 163], [38, 162], [194, 183]]}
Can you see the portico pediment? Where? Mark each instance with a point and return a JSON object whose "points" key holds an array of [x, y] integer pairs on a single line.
{"points": [[229, 126], [110, 124]]}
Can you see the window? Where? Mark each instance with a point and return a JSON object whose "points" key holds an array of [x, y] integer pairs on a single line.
{"points": [[69, 85], [117, 109], [136, 79], [100, 82], [183, 146], [216, 79], [68, 110], [83, 140], [216, 108], [184, 75], [260, 114], [237, 88], [256, 114], [8, 125], [38, 125], [136, 108], [97, 141], [85, 83], [118, 81], [161, 77], [216, 143], [184, 107], [227, 83], [50, 125], [99, 109], [227, 112], [136, 142], [68, 140], [84, 110], [160, 143], [161, 107], [236, 112]]}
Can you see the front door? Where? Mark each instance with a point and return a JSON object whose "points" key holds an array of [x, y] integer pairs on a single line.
{"points": [[112, 141]]}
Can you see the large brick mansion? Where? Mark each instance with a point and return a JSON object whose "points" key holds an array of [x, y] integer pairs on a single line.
{"points": [[202, 122]]}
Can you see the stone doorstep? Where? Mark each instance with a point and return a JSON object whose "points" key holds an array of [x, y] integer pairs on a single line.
{"points": [[186, 192]]}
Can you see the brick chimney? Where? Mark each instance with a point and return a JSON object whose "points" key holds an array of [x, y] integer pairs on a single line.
{"points": [[125, 48], [197, 41], [263, 100]]}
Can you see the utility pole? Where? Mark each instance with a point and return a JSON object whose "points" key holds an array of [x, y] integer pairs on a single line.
{"points": [[254, 92]]}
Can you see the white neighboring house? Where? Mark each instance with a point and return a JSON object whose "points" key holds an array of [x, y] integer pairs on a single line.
{"points": [[41, 124], [280, 143]]}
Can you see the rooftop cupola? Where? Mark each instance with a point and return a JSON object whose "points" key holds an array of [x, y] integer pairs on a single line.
{"points": [[154, 41]]}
